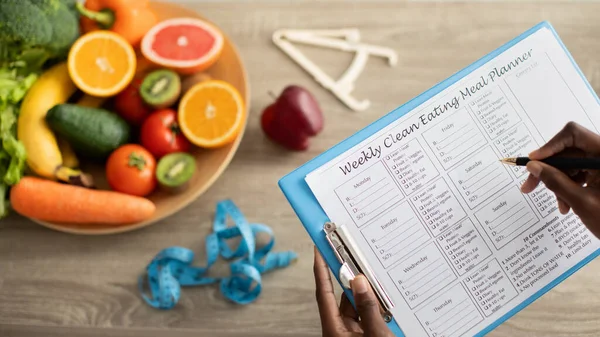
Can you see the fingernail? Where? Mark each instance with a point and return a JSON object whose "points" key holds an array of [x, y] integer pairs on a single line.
{"points": [[534, 168], [360, 285]]}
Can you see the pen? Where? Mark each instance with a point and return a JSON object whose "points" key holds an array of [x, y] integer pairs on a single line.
{"points": [[573, 163]]}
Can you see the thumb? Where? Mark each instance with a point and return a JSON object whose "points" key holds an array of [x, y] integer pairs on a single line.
{"points": [[558, 182], [368, 307]]}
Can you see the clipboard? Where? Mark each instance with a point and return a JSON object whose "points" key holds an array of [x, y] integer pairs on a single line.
{"points": [[317, 224]]}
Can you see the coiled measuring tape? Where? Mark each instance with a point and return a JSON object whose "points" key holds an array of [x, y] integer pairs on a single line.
{"points": [[172, 267]]}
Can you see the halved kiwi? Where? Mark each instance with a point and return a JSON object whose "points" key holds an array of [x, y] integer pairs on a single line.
{"points": [[175, 170], [161, 88]]}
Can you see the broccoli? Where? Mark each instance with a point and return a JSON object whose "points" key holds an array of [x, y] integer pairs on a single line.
{"points": [[23, 24], [65, 25], [70, 4], [33, 34], [33, 31]]}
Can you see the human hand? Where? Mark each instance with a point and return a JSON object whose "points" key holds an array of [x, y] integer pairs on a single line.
{"points": [[343, 321], [578, 190]]}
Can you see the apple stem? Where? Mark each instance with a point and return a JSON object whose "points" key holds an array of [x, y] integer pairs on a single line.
{"points": [[272, 95]]}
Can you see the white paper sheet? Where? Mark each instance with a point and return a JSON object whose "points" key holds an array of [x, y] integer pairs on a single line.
{"points": [[441, 221]]}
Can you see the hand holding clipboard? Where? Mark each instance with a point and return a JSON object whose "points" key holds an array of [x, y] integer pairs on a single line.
{"points": [[420, 206]]}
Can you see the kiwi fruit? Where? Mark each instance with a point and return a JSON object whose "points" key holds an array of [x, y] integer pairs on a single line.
{"points": [[161, 88], [175, 170]]}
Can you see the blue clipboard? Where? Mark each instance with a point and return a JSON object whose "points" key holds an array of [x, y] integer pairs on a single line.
{"points": [[312, 216]]}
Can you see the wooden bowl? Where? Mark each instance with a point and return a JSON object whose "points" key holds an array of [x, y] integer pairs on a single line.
{"points": [[210, 163]]}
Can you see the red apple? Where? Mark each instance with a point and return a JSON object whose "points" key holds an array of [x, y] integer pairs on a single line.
{"points": [[293, 118]]}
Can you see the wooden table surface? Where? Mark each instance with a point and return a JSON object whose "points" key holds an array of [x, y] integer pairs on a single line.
{"points": [[54, 284]]}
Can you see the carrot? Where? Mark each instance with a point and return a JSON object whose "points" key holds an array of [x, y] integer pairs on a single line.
{"points": [[52, 201]]}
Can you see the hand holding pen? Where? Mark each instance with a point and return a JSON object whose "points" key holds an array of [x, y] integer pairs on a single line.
{"points": [[576, 187]]}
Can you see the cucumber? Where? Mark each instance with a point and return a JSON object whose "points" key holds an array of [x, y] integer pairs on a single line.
{"points": [[92, 132]]}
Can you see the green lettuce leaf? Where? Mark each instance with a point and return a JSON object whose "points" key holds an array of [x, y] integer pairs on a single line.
{"points": [[13, 156]]}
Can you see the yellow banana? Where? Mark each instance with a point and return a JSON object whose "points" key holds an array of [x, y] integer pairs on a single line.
{"points": [[91, 101], [44, 157], [69, 157]]}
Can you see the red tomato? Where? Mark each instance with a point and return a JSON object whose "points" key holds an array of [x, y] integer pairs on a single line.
{"points": [[130, 169], [160, 134], [129, 104]]}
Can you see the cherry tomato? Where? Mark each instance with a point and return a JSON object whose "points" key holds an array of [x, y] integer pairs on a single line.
{"points": [[160, 134], [129, 104], [130, 169]]}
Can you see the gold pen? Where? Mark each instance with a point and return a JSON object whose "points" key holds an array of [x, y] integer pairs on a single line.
{"points": [[565, 163]]}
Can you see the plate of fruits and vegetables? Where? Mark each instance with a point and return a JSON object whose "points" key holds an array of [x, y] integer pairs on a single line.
{"points": [[140, 116]]}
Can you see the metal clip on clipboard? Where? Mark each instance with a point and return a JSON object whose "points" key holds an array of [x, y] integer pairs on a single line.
{"points": [[342, 39], [353, 263]]}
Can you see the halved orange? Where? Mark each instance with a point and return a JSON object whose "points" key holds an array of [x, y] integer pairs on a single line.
{"points": [[101, 63], [211, 113]]}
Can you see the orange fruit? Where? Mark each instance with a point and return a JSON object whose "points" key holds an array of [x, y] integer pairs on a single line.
{"points": [[101, 63], [184, 45], [211, 113]]}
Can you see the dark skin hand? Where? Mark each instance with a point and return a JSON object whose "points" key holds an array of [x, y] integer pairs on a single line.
{"points": [[343, 321], [577, 190]]}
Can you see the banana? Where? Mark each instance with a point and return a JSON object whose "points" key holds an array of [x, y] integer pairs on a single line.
{"points": [[69, 157], [44, 157], [91, 101]]}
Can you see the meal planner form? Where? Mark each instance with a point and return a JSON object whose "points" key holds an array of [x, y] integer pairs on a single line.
{"points": [[442, 223]]}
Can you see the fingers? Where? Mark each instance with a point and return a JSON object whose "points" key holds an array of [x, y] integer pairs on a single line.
{"points": [[349, 314], [563, 207], [331, 320], [530, 184], [346, 308], [565, 189], [368, 307], [572, 135]]}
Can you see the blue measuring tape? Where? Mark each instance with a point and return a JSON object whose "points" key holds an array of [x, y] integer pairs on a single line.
{"points": [[171, 268]]}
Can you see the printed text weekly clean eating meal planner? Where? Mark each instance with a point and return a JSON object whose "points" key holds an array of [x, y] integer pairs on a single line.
{"points": [[442, 223]]}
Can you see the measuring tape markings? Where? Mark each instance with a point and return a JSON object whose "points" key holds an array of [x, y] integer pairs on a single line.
{"points": [[171, 268]]}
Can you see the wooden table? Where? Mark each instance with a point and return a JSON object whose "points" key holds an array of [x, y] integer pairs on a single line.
{"points": [[54, 284]]}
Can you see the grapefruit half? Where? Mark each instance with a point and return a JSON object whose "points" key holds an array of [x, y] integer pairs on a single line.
{"points": [[185, 45]]}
